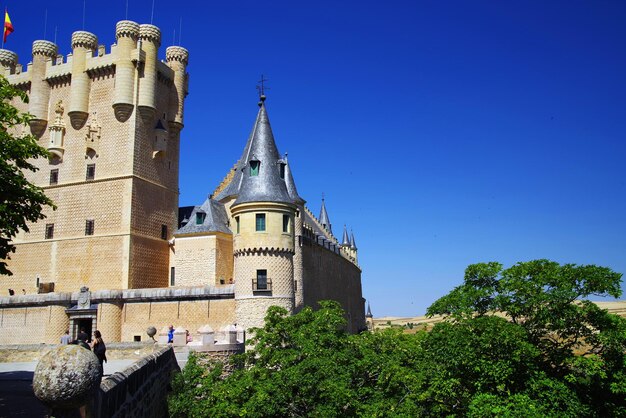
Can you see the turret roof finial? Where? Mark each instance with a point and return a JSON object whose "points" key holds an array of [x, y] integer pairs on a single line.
{"points": [[261, 89]]}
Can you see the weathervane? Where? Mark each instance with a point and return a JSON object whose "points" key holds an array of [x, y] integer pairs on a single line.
{"points": [[261, 89]]}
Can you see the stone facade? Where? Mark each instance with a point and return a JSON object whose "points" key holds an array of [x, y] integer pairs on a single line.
{"points": [[113, 174], [112, 123]]}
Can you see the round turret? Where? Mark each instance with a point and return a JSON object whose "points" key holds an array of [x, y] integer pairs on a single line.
{"points": [[150, 33], [86, 40], [83, 43], [126, 29], [150, 37], [177, 58], [45, 48], [126, 33], [39, 87], [178, 54], [8, 61]]}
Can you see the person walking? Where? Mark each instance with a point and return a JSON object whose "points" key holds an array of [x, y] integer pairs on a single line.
{"points": [[99, 349], [65, 338], [82, 336]]}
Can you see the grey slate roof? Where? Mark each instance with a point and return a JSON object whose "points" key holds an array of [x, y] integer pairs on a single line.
{"points": [[324, 217], [216, 219], [267, 186], [353, 241], [346, 239], [291, 185]]}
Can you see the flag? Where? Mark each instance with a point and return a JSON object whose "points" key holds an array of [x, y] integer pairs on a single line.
{"points": [[8, 26]]}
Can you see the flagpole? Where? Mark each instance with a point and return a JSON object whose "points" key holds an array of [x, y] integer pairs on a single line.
{"points": [[4, 26]]}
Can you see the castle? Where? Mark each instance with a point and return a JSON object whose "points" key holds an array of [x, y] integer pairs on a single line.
{"points": [[118, 254]]}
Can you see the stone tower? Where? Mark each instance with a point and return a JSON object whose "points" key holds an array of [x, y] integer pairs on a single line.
{"points": [[263, 243], [112, 123]]}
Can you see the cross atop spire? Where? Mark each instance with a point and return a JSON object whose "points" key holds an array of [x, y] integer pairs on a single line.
{"points": [[261, 89]]}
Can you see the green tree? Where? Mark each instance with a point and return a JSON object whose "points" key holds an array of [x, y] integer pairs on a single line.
{"points": [[20, 201], [511, 347], [581, 345]]}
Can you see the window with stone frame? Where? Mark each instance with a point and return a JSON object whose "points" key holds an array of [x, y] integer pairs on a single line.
{"points": [[49, 231], [54, 176], [89, 226], [91, 172], [260, 222]]}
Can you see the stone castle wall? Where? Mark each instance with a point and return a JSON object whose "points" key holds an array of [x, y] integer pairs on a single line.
{"points": [[120, 315], [328, 275], [203, 260]]}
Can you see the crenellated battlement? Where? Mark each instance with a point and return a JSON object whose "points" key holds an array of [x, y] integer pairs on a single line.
{"points": [[150, 33]]}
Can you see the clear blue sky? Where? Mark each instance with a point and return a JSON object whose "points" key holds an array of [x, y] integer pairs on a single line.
{"points": [[443, 133]]}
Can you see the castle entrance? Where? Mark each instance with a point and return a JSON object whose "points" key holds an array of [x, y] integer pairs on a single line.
{"points": [[83, 315]]}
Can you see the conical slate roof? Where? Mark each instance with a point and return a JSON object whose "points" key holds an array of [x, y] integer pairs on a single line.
{"points": [[346, 239], [324, 217], [369, 311], [267, 185], [291, 185], [352, 242]]}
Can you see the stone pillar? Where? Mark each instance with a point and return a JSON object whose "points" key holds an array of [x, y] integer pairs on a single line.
{"points": [[164, 335], [83, 44], [150, 37], [43, 52], [58, 323], [126, 33], [207, 335], [180, 337], [110, 321]]}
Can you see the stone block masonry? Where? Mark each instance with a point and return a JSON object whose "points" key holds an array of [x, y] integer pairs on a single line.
{"points": [[138, 391]]}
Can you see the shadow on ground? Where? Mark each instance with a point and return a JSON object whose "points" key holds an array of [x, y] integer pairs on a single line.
{"points": [[16, 396]]}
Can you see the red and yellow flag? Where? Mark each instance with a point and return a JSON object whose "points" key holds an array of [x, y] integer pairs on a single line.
{"points": [[8, 26]]}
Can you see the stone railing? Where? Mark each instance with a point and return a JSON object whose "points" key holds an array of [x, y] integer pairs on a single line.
{"points": [[67, 380], [138, 391]]}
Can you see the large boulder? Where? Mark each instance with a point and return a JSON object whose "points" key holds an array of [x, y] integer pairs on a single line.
{"points": [[66, 377]]}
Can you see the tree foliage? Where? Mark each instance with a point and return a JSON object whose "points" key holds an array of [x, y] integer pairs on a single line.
{"points": [[535, 361], [20, 201]]}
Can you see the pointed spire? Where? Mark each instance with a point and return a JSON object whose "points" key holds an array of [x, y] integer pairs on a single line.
{"points": [[346, 239], [324, 217], [352, 241], [369, 311], [291, 184], [260, 171]]}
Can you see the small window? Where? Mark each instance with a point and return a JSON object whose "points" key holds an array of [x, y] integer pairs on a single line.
{"points": [[91, 172], [286, 223], [237, 222], [89, 226], [49, 231], [260, 222], [254, 167], [54, 176], [200, 216], [163, 231], [261, 280], [172, 276], [282, 171]]}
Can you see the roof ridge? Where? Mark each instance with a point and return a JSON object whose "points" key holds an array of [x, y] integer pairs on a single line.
{"points": [[226, 180]]}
